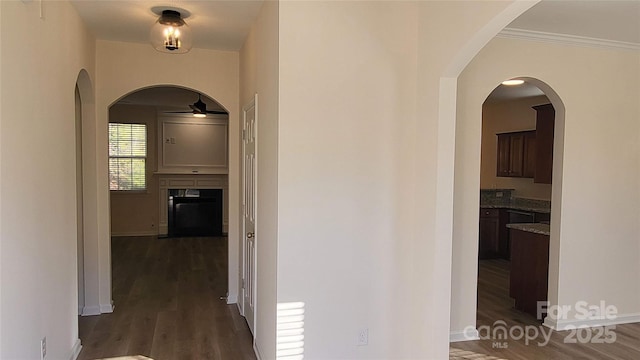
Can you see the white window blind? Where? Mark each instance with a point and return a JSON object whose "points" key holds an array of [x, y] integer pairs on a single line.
{"points": [[127, 156]]}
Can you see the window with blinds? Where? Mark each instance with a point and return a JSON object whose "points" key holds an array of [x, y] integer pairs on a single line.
{"points": [[127, 156]]}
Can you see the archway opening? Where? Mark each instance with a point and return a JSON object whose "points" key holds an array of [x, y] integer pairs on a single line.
{"points": [[182, 139], [86, 215], [516, 173], [483, 120], [168, 183]]}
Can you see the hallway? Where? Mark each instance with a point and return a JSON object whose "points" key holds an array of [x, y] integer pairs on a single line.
{"points": [[167, 303]]}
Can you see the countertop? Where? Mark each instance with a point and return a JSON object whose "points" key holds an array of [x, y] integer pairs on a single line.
{"points": [[541, 210], [536, 228]]}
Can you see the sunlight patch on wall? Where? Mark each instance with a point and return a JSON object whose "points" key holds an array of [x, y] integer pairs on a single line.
{"points": [[290, 331]]}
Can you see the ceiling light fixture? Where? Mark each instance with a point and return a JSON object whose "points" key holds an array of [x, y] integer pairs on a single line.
{"points": [[513, 82], [171, 34]]}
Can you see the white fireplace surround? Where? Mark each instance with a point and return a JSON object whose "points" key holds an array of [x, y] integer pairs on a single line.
{"points": [[167, 182]]}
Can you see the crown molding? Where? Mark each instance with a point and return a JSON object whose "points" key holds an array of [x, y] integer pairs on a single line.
{"points": [[513, 33]]}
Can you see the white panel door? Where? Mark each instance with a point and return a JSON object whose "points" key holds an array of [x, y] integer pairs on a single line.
{"points": [[249, 206]]}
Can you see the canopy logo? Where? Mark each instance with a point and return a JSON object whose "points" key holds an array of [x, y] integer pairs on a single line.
{"points": [[500, 333]]}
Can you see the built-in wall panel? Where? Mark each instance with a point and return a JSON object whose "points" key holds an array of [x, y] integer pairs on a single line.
{"points": [[191, 145]]}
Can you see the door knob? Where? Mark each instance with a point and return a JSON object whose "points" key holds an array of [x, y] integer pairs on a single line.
{"points": [[249, 235]]}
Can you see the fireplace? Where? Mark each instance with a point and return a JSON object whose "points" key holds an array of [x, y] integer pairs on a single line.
{"points": [[195, 212]]}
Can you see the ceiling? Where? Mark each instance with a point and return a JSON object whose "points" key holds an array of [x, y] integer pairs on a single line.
{"points": [[168, 98], [224, 25], [608, 20], [503, 92], [221, 25]]}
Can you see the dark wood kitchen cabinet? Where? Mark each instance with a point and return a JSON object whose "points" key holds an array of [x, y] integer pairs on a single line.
{"points": [[529, 156], [516, 154], [545, 123], [529, 274], [504, 154], [493, 235]]}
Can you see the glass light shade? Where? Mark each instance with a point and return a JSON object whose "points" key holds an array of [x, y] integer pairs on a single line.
{"points": [[171, 34], [513, 82]]}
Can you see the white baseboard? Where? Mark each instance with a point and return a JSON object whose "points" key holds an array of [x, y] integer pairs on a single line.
{"points": [[134, 233], [232, 299], [106, 308], [75, 351], [255, 350], [239, 306], [91, 310], [465, 335], [563, 324]]}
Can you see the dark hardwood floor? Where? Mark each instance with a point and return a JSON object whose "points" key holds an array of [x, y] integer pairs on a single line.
{"points": [[167, 303], [494, 304]]}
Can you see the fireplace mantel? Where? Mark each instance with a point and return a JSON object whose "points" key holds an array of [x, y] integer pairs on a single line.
{"points": [[199, 181]]}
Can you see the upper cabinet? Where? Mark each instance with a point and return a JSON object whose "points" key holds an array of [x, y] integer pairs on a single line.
{"points": [[529, 154], [545, 123], [516, 154]]}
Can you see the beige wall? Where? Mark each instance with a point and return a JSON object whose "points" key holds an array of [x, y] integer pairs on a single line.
{"points": [[38, 231], [360, 226], [259, 73], [508, 116], [595, 200], [137, 213]]}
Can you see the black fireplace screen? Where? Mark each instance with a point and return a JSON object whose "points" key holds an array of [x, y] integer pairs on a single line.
{"points": [[195, 212]]}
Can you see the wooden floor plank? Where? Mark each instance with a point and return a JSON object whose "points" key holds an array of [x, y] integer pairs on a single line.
{"points": [[495, 304], [164, 336], [167, 294]]}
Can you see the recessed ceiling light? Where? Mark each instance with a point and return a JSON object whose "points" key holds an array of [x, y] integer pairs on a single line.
{"points": [[513, 82]]}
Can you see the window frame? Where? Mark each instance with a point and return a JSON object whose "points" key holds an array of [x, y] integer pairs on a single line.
{"points": [[145, 158]]}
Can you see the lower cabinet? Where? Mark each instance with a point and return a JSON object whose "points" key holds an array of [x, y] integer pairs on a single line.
{"points": [[529, 270], [493, 235]]}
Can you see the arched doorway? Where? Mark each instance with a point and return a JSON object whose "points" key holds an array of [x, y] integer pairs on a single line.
{"points": [[180, 149], [467, 196], [168, 180], [517, 148], [87, 213]]}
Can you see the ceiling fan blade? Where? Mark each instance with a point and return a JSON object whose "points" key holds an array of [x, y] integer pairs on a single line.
{"points": [[217, 112], [177, 112]]}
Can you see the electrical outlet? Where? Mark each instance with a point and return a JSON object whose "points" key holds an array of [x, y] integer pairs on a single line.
{"points": [[43, 348], [363, 337]]}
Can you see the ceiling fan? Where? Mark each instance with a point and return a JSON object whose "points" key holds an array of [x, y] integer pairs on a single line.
{"points": [[199, 109]]}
